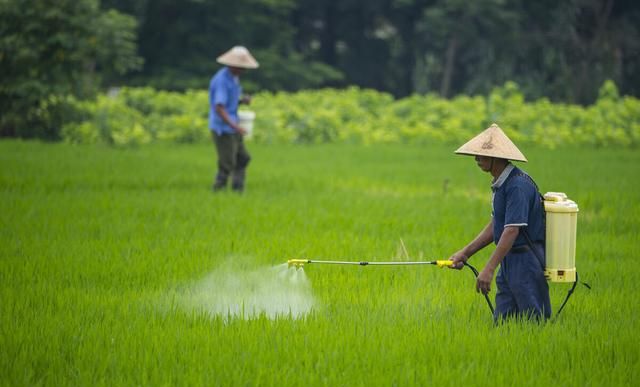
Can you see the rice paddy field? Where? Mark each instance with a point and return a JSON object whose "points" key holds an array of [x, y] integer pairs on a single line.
{"points": [[121, 267]]}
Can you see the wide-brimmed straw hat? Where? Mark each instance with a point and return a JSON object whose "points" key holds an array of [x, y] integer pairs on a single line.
{"points": [[492, 142], [238, 56]]}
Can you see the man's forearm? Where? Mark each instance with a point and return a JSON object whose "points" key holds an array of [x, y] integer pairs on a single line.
{"points": [[509, 235], [482, 240], [222, 112]]}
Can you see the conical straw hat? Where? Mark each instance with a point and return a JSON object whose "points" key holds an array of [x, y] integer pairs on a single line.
{"points": [[492, 142], [238, 56]]}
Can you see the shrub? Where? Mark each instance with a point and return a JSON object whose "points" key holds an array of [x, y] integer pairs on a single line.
{"points": [[139, 115]]}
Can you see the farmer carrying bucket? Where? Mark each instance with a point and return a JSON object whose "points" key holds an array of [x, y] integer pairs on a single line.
{"points": [[516, 227], [227, 132]]}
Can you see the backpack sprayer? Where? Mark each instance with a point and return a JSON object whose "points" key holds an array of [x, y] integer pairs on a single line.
{"points": [[560, 246], [560, 237]]}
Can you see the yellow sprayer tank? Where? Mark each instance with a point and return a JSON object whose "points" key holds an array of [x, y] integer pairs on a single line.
{"points": [[562, 219]]}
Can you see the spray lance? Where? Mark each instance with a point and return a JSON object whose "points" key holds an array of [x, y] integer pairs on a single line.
{"points": [[299, 263]]}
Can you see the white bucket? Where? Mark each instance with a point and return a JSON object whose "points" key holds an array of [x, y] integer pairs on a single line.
{"points": [[245, 120]]}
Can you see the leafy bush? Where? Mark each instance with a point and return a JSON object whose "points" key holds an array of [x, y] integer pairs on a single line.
{"points": [[50, 50], [109, 120], [133, 116]]}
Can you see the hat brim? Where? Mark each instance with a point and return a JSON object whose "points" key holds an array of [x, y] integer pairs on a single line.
{"points": [[492, 142], [238, 57], [237, 64]]}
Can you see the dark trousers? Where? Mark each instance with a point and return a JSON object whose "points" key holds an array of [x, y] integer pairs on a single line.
{"points": [[233, 159], [523, 291]]}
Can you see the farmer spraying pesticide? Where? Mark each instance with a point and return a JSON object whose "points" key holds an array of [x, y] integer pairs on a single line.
{"points": [[531, 246], [516, 227]]}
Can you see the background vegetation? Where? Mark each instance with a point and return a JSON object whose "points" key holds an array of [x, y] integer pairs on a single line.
{"points": [[559, 50], [563, 50], [137, 116]]}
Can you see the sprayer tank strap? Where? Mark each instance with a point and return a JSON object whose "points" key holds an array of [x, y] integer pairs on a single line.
{"points": [[530, 243], [533, 249]]}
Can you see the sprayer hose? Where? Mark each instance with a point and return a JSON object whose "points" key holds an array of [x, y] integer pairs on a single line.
{"points": [[486, 297]]}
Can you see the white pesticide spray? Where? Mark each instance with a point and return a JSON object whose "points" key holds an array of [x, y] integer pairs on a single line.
{"points": [[277, 291]]}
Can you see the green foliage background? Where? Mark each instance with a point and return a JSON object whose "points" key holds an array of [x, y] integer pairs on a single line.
{"points": [[53, 50], [560, 50], [135, 116]]}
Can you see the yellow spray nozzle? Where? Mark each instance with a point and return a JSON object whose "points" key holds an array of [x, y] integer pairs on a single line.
{"points": [[444, 263], [297, 263]]}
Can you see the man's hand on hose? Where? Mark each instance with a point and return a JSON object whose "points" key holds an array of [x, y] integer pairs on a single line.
{"points": [[458, 258], [483, 282]]}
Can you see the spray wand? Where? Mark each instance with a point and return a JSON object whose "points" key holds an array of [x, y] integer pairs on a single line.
{"points": [[299, 263]]}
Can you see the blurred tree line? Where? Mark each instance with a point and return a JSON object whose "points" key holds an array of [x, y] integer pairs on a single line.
{"points": [[563, 50]]}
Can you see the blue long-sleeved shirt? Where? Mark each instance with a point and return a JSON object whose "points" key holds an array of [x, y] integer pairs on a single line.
{"points": [[225, 90]]}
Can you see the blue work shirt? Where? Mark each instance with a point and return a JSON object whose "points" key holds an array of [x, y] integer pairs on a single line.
{"points": [[225, 90], [516, 202]]}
